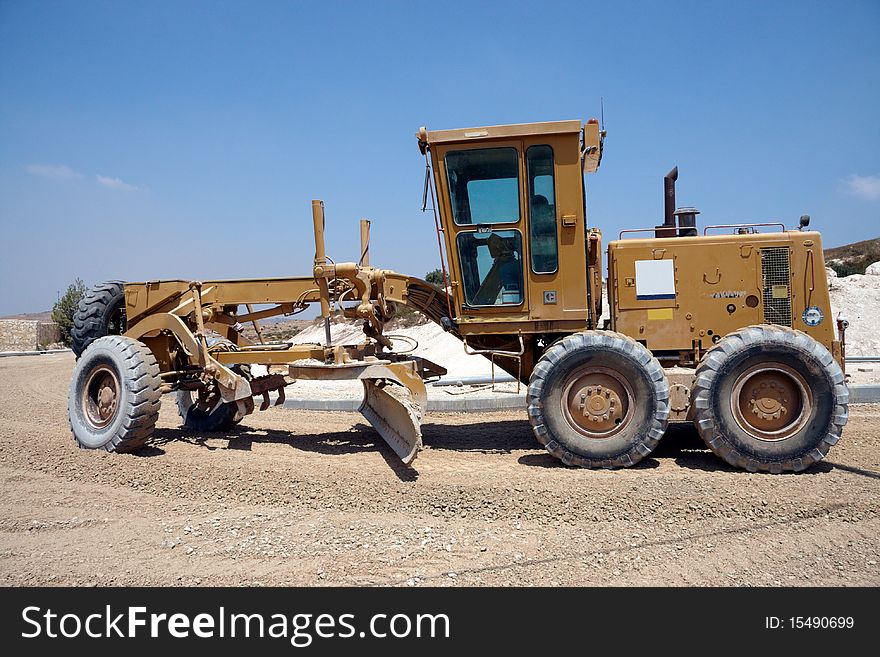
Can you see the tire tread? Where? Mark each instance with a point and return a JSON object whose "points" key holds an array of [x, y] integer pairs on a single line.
{"points": [[91, 317]]}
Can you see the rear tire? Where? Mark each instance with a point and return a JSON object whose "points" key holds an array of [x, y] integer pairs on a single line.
{"points": [[769, 399], [100, 312], [598, 399], [114, 395]]}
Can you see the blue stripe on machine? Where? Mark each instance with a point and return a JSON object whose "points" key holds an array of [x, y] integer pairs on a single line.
{"points": [[651, 297]]}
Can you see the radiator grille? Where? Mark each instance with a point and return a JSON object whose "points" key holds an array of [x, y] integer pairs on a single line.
{"points": [[777, 285]]}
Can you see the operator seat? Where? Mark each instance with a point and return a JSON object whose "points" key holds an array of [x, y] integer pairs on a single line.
{"points": [[505, 274]]}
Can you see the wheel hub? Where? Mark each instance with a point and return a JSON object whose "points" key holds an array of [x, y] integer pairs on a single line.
{"points": [[101, 398], [596, 402], [771, 401], [600, 406]]}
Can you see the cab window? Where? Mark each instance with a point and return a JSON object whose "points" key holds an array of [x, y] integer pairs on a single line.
{"points": [[542, 210], [491, 266], [483, 185]]}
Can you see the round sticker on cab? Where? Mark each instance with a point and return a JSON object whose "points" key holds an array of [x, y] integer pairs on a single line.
{"points": [[813, 316]]}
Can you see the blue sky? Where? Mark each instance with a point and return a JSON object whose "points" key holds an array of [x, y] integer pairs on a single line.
{"points": [[186, 139]]}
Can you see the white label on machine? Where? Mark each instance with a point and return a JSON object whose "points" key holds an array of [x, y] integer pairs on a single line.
{"points": [[655, 279]]}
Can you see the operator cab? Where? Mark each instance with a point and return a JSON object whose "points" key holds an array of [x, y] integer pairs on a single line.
{"points": [[511, 203]]}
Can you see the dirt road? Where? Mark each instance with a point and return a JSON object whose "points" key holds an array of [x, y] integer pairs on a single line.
{"points": [[304, 498]]}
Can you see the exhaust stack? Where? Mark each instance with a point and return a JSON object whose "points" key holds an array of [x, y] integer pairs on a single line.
{"points": [[676, 223], [667, 229], [669, 197]]}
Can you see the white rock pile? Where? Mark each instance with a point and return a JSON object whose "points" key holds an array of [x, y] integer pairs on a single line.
{"points": [[858, 297]]}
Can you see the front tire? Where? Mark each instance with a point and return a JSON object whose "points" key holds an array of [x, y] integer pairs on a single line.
{"points": [[769, 399], [598, 399], [114, 395]]}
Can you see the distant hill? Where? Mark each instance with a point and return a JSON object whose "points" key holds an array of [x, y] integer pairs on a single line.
{"points": [[45, 316], [853, 258]]}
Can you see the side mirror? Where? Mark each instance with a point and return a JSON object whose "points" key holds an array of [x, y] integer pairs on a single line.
{"points": [[805, 221]]}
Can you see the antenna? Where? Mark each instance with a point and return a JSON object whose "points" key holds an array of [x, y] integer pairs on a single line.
{"points": [[602, 111]]}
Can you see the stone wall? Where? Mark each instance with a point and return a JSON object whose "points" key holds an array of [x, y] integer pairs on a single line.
{"points": [[27, 334], [48, 333]]}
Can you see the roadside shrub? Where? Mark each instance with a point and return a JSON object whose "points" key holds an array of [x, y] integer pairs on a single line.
{"points": [[65, 308]]}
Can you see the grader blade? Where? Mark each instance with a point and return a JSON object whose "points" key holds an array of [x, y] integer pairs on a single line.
{"points": [[394, 398], [395, 416]]}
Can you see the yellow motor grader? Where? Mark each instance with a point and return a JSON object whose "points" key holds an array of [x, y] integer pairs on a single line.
{"points": [[730, 329]]}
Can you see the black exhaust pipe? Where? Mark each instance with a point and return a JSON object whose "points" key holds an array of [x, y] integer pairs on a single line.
{"points": [[668, 227], [669, 197]]}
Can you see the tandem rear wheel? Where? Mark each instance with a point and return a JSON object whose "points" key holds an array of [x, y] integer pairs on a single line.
{"points": [[598, 399], [769, 398], [766, 398]]}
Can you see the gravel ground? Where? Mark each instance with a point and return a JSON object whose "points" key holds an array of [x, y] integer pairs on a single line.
{"points": [[304, 498]]}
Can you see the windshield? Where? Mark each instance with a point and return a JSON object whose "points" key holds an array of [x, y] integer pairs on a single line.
{"points": [[484, 185]]}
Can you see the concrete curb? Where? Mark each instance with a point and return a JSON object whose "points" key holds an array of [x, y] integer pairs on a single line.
{"points": [[465, 404], [858, 394], [469, 405], [7, 354], [867, 393]]}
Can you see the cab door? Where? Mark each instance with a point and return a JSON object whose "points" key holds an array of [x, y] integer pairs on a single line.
{"points": [[482, 198]]}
